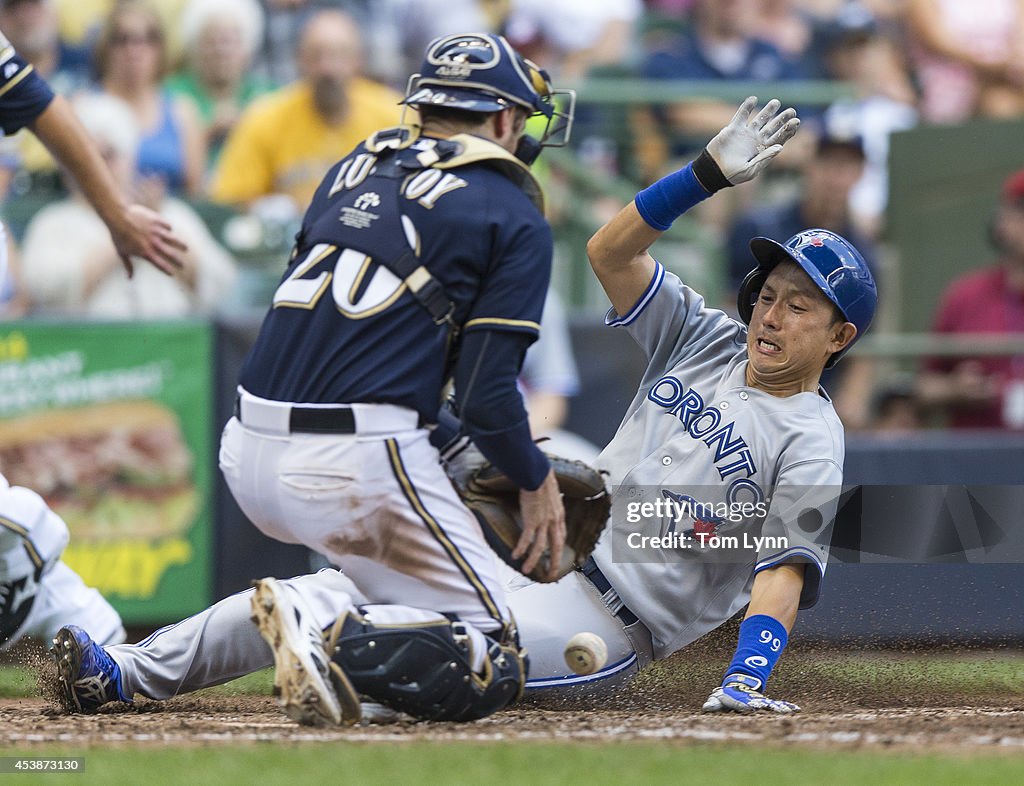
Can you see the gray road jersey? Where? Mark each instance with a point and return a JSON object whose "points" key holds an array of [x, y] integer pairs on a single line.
{"points": [[735, 461]]}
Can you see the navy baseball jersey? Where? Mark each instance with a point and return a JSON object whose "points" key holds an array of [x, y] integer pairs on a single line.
{"points": [[24, 95], [344, 328]]}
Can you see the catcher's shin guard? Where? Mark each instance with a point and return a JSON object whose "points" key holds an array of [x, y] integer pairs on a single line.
{"points": [[424, 670]]}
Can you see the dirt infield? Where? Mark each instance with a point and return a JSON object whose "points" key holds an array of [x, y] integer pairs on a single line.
{"points": [[210, 720], [959, 701]]}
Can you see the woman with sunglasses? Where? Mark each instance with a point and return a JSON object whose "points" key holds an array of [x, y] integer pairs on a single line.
{"points": [[131, 63]]}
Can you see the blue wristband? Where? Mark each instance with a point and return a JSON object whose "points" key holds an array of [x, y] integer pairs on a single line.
{"points": [[664, 201], [762, 640]]}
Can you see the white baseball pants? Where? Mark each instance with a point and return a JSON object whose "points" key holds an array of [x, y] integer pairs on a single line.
{"points": [[548, 615], [32, 538], [376, 503]]}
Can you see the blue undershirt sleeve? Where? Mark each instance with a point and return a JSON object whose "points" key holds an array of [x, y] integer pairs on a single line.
{"points": [[491, 407]]}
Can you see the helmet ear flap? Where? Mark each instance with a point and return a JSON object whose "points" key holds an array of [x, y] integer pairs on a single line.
{"points": [[527, 149], [749, 290]]}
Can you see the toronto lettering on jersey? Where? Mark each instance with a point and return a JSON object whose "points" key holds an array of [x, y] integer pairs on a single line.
{"points": [[704, 423]]}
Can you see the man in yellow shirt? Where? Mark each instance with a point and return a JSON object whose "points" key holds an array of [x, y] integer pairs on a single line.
{"points": [[285, 141]]}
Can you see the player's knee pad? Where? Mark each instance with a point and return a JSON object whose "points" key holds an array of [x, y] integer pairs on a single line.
{"points": [[425, 670]]}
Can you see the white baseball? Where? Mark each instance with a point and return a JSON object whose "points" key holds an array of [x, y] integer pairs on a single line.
{"points": [[585, 653]]}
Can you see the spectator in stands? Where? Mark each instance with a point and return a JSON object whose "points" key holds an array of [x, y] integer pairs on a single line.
{"points": [[548, 380], [984, 392], [823, 201], [721, 44], [890, 13], [131, 63], [70, 265], [31, 26], [572, 36], [286, 140], [285, 20], [789, 25], [855, 50], [667, 8], [82, 20], [220, 39], [894, 409], [395, 32], [398, 31], [969, 57]]}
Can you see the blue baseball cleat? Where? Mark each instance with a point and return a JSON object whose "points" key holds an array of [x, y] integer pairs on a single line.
{"points": [[88, 677]]}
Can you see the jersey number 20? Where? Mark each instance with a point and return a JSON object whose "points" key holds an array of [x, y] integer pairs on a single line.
{"points": [[354, 295]]}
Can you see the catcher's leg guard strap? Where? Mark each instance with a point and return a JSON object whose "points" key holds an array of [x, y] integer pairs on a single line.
{"points": [[425, 669]]}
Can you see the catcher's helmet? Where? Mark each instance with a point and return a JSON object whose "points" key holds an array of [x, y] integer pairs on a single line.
{"points": [[481, 72], [831, 262]]}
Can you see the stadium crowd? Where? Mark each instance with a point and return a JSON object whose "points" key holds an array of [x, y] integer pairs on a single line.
{"points": [[212, 110]]}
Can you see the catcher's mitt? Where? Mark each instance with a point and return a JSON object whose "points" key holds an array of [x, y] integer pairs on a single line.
{"points": [[494, 500]]}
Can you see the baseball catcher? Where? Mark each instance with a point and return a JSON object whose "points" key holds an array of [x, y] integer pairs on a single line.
{"points": [[422, 259]]}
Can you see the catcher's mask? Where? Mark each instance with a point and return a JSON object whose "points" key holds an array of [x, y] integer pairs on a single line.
{"points": [[831, 262], [481, 72]]}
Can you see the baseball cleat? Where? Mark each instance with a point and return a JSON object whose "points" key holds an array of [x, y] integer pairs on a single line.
{"points": [[303, 684], [88, 677]]}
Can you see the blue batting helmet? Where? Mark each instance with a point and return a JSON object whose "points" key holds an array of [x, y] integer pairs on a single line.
{"points": [[831, 262], [481, 72]]}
